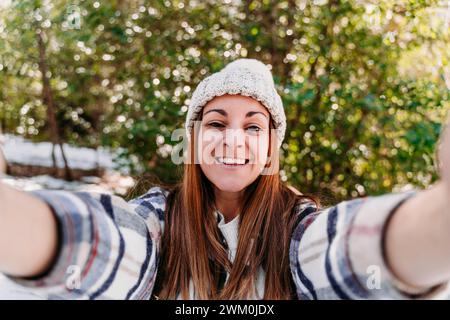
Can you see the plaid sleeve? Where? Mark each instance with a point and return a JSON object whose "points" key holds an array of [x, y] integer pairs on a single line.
{"points": [[108, 248], [337, 252]]}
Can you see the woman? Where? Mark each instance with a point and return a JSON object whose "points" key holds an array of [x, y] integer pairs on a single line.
{"points": [[230, 229]]}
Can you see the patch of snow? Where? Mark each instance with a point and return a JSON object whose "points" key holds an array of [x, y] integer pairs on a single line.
{"points": [[112, 183], [22, 151], [48, 182]]}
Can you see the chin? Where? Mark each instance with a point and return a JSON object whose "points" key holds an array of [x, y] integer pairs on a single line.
{"points": [[230, 184]]}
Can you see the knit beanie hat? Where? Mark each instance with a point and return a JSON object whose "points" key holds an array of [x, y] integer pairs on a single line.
{"points": [[248, 77]]}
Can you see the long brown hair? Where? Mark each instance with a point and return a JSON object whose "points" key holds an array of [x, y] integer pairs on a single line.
{"points": [[192, 247]]}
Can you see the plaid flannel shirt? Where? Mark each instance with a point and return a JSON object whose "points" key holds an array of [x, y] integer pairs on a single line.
{"points": [[109, 248]]}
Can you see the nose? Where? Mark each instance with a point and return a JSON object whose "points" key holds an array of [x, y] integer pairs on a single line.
{"points": [[234, 140]]}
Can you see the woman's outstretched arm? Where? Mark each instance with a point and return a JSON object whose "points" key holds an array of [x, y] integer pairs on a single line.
{"points": [[417, 238], [71, 245], [418, 235], [28, 233], [104, 247], [393, 246]]}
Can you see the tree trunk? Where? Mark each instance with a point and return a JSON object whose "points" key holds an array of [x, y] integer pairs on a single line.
{"points": [[55, 164], [47, 96], [67, 171]]}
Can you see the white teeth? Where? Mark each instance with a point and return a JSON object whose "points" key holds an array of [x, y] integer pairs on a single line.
{"points": [[230, 161]]}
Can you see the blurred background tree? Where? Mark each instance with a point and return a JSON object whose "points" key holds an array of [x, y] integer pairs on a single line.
{"points": [[365, 84]]}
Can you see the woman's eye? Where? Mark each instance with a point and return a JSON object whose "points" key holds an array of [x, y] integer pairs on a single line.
{"points": [[215, 125], [254, 128]]}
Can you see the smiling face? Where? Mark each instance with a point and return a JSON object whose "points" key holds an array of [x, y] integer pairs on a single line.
{"points": [[234, 141]]}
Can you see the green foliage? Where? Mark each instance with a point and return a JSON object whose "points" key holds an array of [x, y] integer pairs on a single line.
{"points": [[363, 85]]}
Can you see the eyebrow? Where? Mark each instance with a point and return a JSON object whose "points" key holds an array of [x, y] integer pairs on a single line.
{"points": [[224, 113]]}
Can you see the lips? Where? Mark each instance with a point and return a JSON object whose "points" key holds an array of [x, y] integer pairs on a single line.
{"points": [[231, 162]]}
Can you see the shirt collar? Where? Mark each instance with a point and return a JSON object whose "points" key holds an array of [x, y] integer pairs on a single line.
{"points": [[229, 230]]}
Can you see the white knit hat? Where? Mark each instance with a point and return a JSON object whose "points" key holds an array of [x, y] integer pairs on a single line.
{"points": [[248, 77]]}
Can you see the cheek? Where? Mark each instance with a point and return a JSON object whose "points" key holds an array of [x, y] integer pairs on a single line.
{"points": [[259, 149], [208, 142]]}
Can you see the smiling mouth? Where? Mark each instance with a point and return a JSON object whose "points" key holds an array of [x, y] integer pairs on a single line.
{"points": [[230, 162]]}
